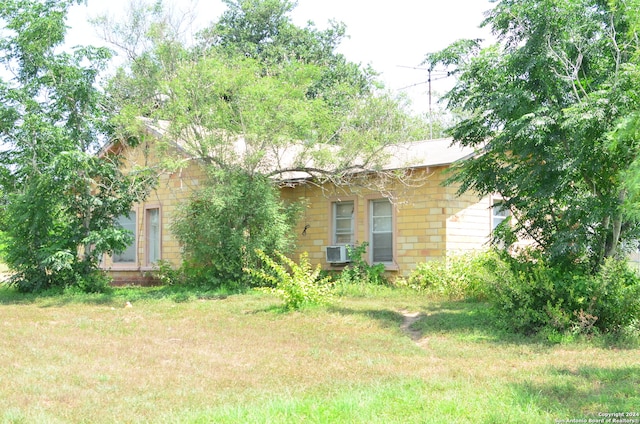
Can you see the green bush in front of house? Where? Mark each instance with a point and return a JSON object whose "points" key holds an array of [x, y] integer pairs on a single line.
{"points": [[535, 297], [297, 284], [459, 276], [226, 222], [359, 271], [529, 296]]}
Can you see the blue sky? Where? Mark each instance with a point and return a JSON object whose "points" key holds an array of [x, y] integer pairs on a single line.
{"points": [[392, 36]]}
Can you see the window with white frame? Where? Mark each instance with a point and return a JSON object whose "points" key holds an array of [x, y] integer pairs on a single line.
{"points": [[128, 256], [343, 222], [498, 213], [381, 231], [153, 235]]}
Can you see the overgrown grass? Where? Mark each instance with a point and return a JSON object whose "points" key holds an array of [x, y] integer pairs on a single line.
{"points": [[177, 355]]}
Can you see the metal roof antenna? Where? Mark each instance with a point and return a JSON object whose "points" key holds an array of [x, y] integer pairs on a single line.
{"points": [[432, 75]]}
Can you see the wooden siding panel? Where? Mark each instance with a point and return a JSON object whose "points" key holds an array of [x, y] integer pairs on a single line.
{"points": [[470, 228]]}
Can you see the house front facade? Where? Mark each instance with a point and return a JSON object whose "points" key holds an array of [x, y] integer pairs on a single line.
{"points": [[403, 212], [405, 215], [150, 221]]}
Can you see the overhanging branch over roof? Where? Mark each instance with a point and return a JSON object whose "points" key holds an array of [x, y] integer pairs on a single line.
{"points": [[300, 161]]}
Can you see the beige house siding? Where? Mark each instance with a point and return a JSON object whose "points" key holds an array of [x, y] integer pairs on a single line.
{"points": [[173, 189], [429, 220], [469, 228]]}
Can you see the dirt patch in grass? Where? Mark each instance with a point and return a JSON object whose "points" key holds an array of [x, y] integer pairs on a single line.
{"points": [[410, 318]]}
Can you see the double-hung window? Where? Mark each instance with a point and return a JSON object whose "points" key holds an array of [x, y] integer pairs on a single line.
{"points": [[128, 256], [153, 235], [498, 213], [343, 222], [381, 231]]}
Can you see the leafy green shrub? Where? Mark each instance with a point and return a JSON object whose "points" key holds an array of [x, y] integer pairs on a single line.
{"points": [[535, 297], [224, 224], [296, 284], [359, 271], [167, 275], [65, 275], [615, 296], [95, 282], [459, 277], [530, 298], [428, 275]]}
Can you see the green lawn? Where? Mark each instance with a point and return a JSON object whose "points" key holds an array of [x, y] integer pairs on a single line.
{"points": [[177, 357]]}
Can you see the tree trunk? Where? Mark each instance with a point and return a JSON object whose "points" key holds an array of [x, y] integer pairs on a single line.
{"points": [[616, 229]]}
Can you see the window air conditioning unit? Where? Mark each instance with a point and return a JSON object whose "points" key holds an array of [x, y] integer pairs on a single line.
{"points": [[337, 254]]}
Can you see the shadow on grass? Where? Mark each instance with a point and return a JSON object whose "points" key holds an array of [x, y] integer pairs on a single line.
{"points": [[465, 319], [586, 393], [468, 321], [385, 317], [113, 295]]}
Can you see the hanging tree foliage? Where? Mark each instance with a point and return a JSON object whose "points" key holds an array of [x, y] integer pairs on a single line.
{"points": [[254, 99], [59, 197], [553, 108]]}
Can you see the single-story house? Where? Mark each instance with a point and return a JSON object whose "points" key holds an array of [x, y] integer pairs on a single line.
{"points": [[406, 215], [402, 211]]}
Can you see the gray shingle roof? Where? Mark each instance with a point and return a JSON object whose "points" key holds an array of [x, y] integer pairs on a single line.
{"points": [[439, 152]]}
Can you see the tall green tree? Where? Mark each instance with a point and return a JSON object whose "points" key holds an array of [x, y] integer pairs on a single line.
{"points": [[60, 197], [552, 108], [263, 30], [256, 99], [219, 89]]}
